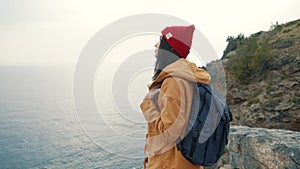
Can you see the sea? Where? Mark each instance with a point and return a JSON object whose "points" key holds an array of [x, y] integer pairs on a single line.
{"points": [[40, 127]]}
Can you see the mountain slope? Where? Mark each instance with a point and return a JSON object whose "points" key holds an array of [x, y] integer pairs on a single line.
{"points": [[263, 75]]}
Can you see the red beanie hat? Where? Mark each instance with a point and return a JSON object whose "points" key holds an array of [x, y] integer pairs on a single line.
{"points": [[180, 38]]}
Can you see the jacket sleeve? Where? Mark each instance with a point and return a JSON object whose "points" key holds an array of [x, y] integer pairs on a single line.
{"points": [[168, 117]]}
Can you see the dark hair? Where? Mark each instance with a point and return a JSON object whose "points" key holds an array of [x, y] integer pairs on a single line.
{"points": [[165, 56]]}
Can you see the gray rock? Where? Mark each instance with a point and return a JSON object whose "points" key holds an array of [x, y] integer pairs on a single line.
{"points": [[264, 148]]}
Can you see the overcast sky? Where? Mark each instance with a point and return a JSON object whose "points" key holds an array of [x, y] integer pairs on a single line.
{"points": [[53, 32]]}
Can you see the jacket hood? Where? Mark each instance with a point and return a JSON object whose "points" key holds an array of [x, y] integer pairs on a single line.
{"points": [[185, 70]]}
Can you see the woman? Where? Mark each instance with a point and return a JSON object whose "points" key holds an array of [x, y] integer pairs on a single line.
{"points": [[167, 105]]}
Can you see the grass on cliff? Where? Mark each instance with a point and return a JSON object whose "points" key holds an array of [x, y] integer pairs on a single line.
{"points": [[251, 57]]}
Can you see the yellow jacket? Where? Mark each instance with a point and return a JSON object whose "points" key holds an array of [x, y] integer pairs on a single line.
{"points": [[167, 116]]}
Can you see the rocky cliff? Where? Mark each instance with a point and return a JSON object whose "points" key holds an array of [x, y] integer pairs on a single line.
{"points": [[261, 148], [262, 76]]}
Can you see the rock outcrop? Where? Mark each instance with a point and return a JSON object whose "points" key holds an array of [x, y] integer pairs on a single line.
{"points": [[261, 148]]}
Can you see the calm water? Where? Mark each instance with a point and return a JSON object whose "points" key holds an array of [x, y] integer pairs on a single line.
{"points": [[39, 126]]}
